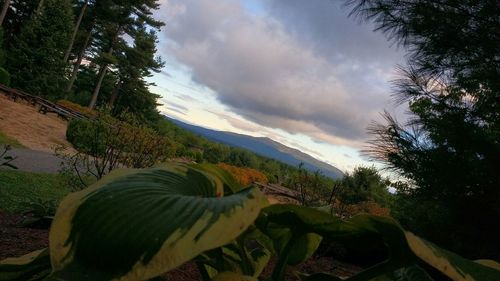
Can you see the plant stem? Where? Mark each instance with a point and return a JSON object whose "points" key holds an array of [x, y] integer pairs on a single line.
{"points": [[280, 267]]}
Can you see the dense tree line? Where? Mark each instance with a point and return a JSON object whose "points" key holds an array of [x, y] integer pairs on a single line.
{"points": [[92, 52]]}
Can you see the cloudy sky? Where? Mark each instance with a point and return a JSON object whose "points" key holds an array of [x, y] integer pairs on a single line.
{"points": [[300, 72]]}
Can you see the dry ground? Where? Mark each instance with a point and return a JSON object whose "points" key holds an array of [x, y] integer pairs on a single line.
{"points": [[32, 129]]}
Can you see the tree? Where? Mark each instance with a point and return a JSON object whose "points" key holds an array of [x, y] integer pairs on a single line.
{"points": [[17, 16], [134, 64], [122, 18], [363, 184], [5, 8], [75, 29], [449, 148], [35, 58]]}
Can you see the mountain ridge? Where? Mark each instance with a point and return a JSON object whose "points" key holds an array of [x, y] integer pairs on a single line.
{"points": [[263, 146]]}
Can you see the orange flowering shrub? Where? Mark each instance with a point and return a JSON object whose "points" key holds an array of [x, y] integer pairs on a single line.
{"points": [[243, 175], [369, 207], [350, 210]]}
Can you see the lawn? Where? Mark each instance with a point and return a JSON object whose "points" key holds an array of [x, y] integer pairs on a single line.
{"points": [[18, 188], [4, 139]]}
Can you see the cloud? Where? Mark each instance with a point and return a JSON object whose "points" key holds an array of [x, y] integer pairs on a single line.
{"points": [[325, 27], [238, 123], [176, 105], [288, 69]]}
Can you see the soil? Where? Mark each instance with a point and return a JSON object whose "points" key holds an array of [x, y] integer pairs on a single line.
{"points": [[32, 129], [17, 241]]}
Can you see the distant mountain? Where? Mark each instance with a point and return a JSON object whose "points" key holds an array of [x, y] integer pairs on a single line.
{"points": [[265, 147]]}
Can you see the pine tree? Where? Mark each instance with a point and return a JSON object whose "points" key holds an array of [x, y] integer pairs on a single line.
{"points": [[83, 9], [85, 31], [35, 59], [5, 8], [449, 149], [122, 19], [137, 62]]}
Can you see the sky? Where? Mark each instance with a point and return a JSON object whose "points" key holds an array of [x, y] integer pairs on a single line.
{"points": [[302, 73]]}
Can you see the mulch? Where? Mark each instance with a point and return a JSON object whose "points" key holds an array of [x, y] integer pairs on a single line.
{"points": [[16, 241]]}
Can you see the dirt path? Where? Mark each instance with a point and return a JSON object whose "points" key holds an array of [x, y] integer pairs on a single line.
{"points": [[31, 128]]}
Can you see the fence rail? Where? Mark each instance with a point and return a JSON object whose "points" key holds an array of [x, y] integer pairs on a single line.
{"points": [[44, 106]]}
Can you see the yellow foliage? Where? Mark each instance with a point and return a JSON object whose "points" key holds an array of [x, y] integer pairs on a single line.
{"points": [[369, 207], [76, 107], [243, 175]]}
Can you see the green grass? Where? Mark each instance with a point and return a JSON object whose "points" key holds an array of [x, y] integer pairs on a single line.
{"points": [[4, 139], [17, 188]]}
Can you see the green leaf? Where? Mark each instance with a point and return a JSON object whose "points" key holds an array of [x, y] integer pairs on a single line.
{"points": [[412, 273], [138, 223], [318, 277], [303, 248], [32, 266], [490, 263], [359, 231], [231, 276], [260, 258], [450, 264], [230, 184]]}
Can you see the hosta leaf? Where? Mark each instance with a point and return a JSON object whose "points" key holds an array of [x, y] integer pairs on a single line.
{"points": [[490, 263], [360, 230], [390, 232], [32, 266], [135, 224], [303, 248], [231, 276], [411, 273], [260, 258], [450, 264], [318, 277], [230, 184]]}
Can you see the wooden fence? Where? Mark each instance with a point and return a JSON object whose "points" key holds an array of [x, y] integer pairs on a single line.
{"points": [[44, 106]]}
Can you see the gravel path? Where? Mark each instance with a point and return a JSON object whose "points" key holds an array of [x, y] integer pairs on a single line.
{"points": [[35, 161]]}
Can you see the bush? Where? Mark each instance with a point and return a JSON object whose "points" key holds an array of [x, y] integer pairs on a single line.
{"points": [[84, 136], [79, 108], [4, 77], [106, 143], [244, 176]]}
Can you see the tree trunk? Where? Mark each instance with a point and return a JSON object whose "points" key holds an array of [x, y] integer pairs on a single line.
{"points": [[102, 71], [115, 93], [100, 78], [78, 62], [5, 8], [77, 27]]}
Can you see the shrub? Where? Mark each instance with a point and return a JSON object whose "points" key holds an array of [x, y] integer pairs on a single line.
{"points": [[4, 77], [79, 108], [106, 143], [244, 176], [85, 136]]}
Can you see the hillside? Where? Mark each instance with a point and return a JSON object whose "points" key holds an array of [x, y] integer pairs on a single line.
{"points": [[265, 147]]}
